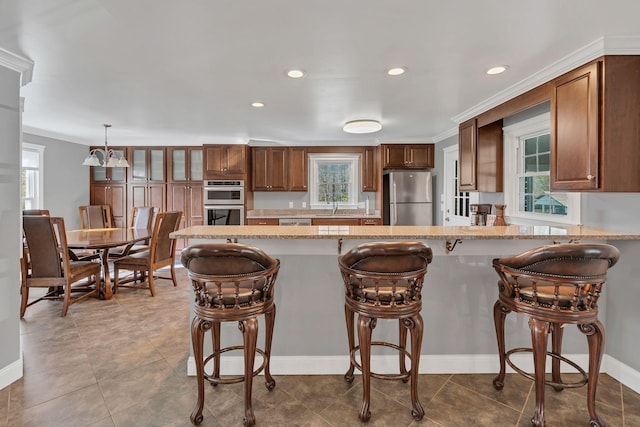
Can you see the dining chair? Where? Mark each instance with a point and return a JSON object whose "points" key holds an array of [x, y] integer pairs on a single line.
{"points": [[95, 216], [161, 253], [49, 264], [141, 217]]}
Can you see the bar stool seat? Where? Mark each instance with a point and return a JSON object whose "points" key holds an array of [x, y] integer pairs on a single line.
{"points": [[232, 283], [554, 285], [384, 280]]}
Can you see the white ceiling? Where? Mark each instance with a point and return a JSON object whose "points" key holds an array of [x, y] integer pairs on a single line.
{"points": [[185, 72]]}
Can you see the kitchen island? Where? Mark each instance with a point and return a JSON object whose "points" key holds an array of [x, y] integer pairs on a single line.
{"points": [[459, 292]]}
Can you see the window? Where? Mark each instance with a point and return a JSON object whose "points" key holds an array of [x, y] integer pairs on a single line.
{"points": [[527, 194], [334, 180], [32, 176]]}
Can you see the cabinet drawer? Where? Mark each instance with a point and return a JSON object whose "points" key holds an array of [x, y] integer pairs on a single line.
{"points": [[370, 221], [335, 221], [263, 221]]}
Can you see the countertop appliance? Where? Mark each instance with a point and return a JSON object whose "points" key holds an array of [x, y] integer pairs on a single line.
{"points": [[224, 202], [407, 198], [479, 213]]}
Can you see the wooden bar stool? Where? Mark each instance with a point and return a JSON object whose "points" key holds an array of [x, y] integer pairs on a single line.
{"points": [[384, 281], [554, 285], [232, 283]]}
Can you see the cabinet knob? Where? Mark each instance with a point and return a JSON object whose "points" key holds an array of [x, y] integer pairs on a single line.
{"points": [[591, 177]]}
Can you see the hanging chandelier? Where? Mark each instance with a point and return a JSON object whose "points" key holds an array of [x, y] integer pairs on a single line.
{"points": [[109, 157]]}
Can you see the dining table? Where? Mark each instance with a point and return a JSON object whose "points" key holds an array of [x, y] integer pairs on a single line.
{"points": [[102, 240]]}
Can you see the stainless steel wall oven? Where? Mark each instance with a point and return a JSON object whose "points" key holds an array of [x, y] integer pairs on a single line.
{"points": [[224, 202]]}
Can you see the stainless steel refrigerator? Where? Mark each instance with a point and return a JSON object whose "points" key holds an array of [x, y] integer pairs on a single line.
{"points": [[407, 198]]}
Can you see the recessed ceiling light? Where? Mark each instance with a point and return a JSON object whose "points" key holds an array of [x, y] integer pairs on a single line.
{"points": [[295, 74], [396, 71], [497, 69], [257, 104], [362, 126]]}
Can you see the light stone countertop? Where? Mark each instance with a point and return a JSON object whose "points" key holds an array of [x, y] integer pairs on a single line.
{"points": [[510, 232], [310, 213]]}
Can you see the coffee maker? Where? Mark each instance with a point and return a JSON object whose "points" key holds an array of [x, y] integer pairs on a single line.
{"points": [[479, 213]]}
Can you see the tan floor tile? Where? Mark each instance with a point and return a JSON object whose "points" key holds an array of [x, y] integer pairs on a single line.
{"points": [[631, 407], [514, 394], [4, 406]]}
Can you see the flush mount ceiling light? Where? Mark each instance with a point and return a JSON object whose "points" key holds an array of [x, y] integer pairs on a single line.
{"points": [[497, 69], [396, 71], [295, 74], [362, 126], [257, 104], [109, 157]]}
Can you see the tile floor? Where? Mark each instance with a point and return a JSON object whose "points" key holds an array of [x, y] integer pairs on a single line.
{"points": [[123, 363]]}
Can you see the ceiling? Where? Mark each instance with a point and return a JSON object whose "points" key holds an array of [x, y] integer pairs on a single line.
{"points": [[185, 72]]}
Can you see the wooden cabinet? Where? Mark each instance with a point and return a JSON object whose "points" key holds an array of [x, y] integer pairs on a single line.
{"points": [[147, 177], [480, 161], [298, 169], [369, 167], [370, 221], [335, 221], [269, 168], [411, 156], [595, 128], [225, 161], [114, 195], [184, 164], [187, 198], [102, 174], [263, 221]]}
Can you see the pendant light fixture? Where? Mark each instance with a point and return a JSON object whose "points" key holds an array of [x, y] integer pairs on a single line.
{"points": [[109, 157]]}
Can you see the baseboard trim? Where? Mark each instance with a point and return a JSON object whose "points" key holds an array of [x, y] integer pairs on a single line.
{"points": [[11, 373], [621, 372]]}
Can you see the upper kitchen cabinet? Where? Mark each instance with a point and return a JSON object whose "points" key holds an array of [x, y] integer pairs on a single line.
{"points": [[480, 156], [408, 156], [369, 167], [147, 164], [298, 169], [225, 161], [184, 164], [103, 174], [595, 128], [269, 168]]}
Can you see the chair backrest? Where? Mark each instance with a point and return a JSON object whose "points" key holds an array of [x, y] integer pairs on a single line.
{"points": [[162, 247], [214, 267], [95, 216], [40, 212], [142, 217], [570, 269], [47, 243], [395, 269]]}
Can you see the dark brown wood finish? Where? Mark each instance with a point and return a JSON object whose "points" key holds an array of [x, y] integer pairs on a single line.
{"points": [[515, 105], [595, 126], [238, 290], [369, 167], [225, 161], [554, 286], [269, 168], [265, 221], [114, 195], [489, 162], [335, 221], [467, 154], [298, 169], [408, 156]]}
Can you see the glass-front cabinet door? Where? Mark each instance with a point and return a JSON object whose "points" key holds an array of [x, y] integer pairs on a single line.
{"points": [[147, 164], [102, 174], [185, 164]]}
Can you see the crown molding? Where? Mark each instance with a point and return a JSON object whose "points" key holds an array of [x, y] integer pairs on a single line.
{"points": [[446, 134], [606, 45], [18, 63]]}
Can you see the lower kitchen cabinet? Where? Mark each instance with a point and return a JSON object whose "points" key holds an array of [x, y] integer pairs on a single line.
{"points": [[147, 194], [335, 221], [263, 221], [114, 195], [187, 198]]}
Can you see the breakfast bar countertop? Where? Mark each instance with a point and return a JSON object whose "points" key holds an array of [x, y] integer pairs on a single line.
{"points": [[311, 213], [510, 232]]}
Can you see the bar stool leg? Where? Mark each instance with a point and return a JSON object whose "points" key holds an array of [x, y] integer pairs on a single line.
{"points": [[198, 328], [215, 340], [595, 337], [402, 343], [499, 314], [556, 347], [270, 319], [249, 330], [416, 325], [349, 317], [365, 329], [539, 337]]}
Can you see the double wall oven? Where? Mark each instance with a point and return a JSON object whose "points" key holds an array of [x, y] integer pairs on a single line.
{"points": [[224, 202]]}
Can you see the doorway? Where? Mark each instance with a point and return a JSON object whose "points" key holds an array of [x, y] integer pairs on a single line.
{"points": [[456, 203]]}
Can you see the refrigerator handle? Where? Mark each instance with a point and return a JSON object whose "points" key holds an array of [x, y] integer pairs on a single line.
{"points": [[394, 215]]}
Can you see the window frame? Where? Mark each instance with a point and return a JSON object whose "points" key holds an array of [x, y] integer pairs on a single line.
{"points": [[315, 160], [39, 149], [513, 136]]}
